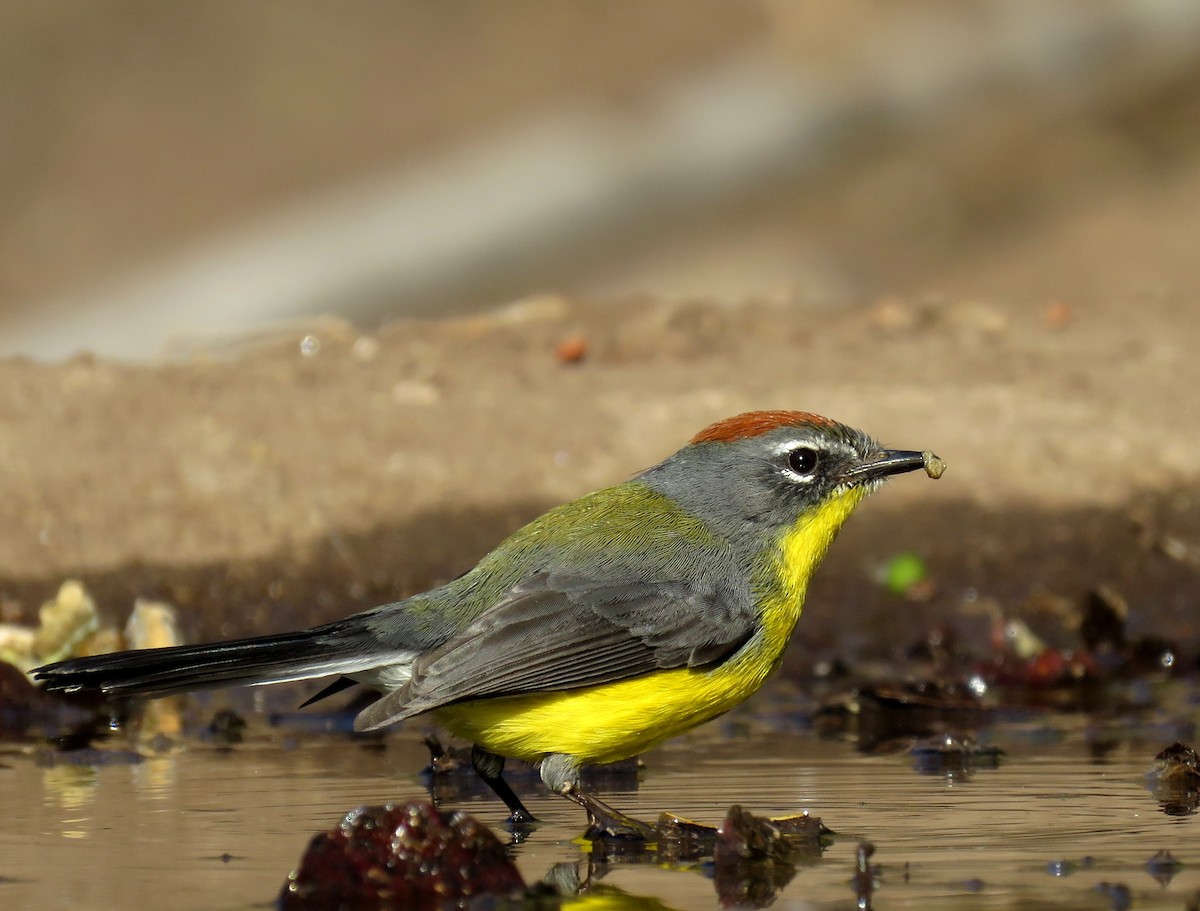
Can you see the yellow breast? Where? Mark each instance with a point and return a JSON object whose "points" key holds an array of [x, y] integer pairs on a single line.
{"points": [[617, 720]]}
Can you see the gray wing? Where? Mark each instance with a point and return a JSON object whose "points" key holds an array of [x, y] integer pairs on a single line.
{"points": [[557, 631]]}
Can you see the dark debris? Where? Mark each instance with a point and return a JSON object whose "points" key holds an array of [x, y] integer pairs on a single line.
{"points": [[1118, 894], [866, 877], [25, 710], [885, 716], [1163, 866], [750, 858], [409, 856], [1175, 780], [952, 753], [226, 727]]}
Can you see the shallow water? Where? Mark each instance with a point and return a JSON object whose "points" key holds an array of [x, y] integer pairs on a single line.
{"points": [[202, 826]]}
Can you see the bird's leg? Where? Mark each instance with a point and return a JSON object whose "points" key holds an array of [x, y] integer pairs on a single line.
{"points": [[489, 767], [561, 775], [604, 820]]}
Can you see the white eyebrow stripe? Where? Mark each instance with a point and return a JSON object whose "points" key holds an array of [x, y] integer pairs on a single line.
{"points": [[789, 445]]}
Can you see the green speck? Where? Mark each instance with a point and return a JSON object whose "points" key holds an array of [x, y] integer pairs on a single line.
{"points": [[902, 572]]}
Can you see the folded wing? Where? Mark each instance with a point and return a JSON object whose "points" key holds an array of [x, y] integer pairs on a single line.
{"points": [[558, 631]]}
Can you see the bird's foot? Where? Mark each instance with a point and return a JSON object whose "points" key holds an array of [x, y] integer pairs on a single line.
{"points": [[608, 824], [522, 817], [521, 823], [619, 828]]}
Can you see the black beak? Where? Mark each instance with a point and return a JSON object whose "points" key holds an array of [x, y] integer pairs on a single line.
{"points": [[895, 461]]}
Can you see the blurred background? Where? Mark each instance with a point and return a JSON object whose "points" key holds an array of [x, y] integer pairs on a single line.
{"points": [[171, 174], [969, 225]]}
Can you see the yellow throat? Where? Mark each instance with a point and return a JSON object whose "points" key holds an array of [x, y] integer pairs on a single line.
{"points": [[801, 549]]}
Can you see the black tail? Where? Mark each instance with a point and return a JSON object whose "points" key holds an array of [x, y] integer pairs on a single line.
{"points": [[337, 648]]}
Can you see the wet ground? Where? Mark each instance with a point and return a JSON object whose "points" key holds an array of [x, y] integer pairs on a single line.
{"points": [[1064, 817]]}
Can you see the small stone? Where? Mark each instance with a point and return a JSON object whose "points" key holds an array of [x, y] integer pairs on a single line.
{"points": [[571, 350], [537, 308], [65, 622], [1175, 548], [415, 392], [1058, 315], [892, 314], [1178, 762], [152, 624], [977, 318], [364, 349]]}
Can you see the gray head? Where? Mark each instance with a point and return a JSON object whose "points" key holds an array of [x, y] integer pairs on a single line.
{"points": [[764, 470]]}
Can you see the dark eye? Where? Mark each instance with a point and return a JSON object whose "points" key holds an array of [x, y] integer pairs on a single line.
{"points": [[803, 460]]}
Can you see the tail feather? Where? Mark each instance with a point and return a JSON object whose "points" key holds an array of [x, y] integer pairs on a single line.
{"points": [[339, 648]]}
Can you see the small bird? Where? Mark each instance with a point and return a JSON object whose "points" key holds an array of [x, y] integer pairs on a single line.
{"points": [[600, 629]]}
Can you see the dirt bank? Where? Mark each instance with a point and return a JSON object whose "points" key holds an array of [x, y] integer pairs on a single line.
{"points": [[282, 482]]}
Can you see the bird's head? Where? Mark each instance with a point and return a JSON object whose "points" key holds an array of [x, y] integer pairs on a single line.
{"points": [[766, 471]]}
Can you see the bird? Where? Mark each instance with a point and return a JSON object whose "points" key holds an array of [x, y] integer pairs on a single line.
{"points": [[600, 629]]}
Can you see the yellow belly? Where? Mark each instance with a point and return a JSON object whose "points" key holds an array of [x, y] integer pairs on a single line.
{"points": [[618, 720], [608, 722]]}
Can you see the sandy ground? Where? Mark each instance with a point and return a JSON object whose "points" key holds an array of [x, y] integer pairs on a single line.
{"points": [[286, 482], [1040, 335]]}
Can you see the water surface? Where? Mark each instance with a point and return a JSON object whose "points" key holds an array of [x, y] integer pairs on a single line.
{"points": [[206, 827]]}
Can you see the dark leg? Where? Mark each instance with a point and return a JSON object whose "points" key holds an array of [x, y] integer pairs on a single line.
{"points": [[489, 767]]}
